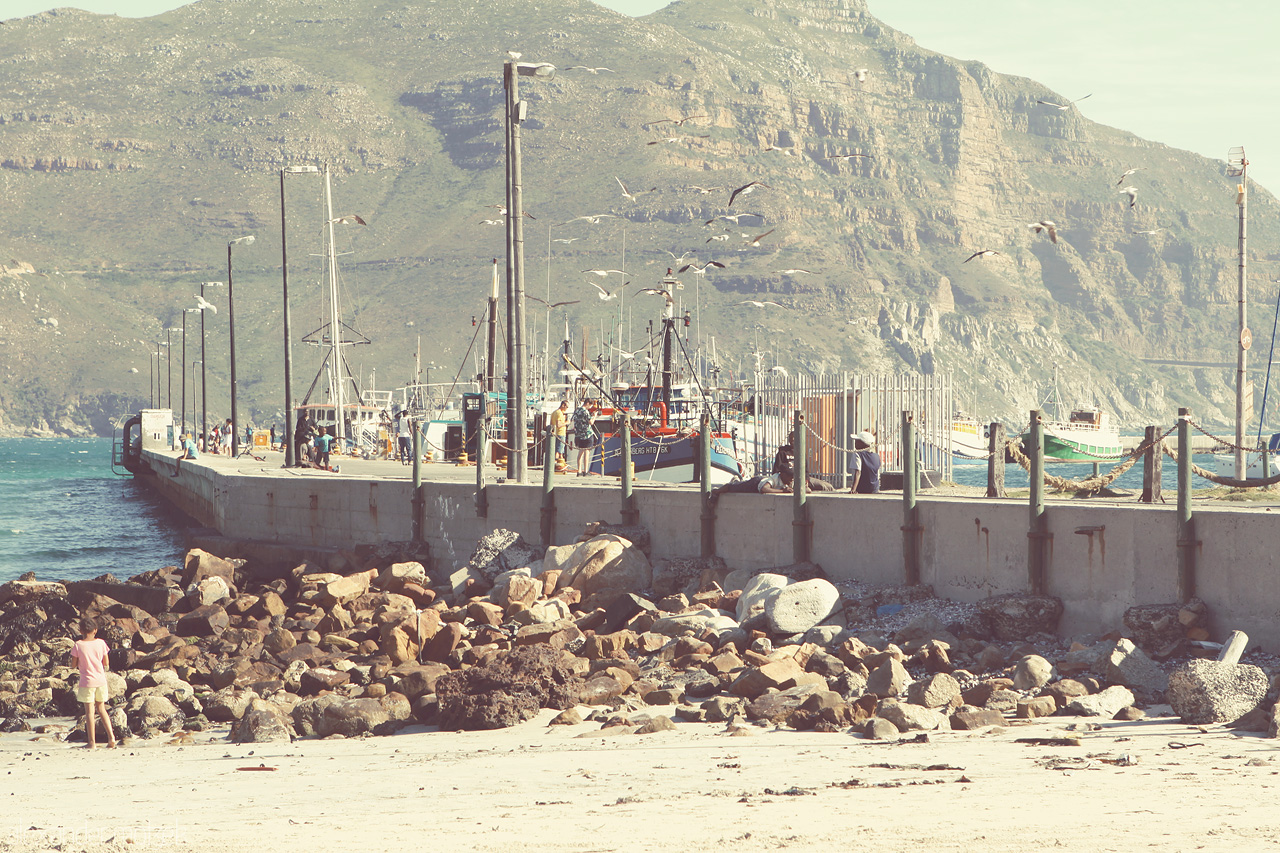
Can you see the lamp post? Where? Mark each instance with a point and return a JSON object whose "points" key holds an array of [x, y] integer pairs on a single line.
{"points": [[185, 312], [194, 362], [168, 342], [516, 367], [159, 387], [204, 379], [289, 460], [1238, 167], [246, 240], [153, 358]]}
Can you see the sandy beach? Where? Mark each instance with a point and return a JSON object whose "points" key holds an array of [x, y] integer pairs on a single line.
{"points": [[1153, 784]]}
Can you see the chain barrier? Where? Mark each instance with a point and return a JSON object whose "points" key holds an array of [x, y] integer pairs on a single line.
{"points": [[1222, 442], [1089, 485]]}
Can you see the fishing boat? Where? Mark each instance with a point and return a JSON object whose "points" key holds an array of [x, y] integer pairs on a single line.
{"points": [[970, 438], [1258, 463], [1087, 435]]}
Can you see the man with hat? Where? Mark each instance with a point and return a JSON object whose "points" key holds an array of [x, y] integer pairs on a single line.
{"points": [[864, 464]]}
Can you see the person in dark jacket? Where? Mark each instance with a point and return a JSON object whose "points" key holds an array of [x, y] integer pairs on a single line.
{"points": [[864, 464]]}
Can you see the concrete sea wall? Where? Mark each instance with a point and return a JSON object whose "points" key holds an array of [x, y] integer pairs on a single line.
{"points": [[1104, 557]]}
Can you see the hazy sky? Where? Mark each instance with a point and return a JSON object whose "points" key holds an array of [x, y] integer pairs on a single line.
{"points": [[1189, 74]]}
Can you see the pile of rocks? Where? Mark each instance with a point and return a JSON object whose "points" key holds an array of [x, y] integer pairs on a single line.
{"points": [[305, 652]]}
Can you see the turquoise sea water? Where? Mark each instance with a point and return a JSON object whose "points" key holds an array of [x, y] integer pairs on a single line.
{"points": [[968, 473], [65, 516]]}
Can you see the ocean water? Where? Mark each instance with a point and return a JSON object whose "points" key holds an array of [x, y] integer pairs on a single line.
{"points": [[65, 516], [974, 473]]}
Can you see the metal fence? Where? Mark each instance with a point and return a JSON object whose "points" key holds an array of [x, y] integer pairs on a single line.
{"points": [[837, 407]]}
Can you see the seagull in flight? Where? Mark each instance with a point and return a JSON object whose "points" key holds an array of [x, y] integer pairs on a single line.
{"points": [[675, 121], [701, 270], [794, 271], [349, 219], [625, 356], [1046, 226], [755, 241], [779, 370], [565, 240], [732, 217], [205, 305], [628, 194], [594, 219], [490, 221], [847, 156], [552, 304], [1127, 173], [1066, 106], [514, 54], [745, 189], [705, 190], [758, 304], [789, 150], [658, 291], [603, 273], [502, 209], [605, 295], [681, 258], [981, 253], [1150, 231], [588, 68], [719, 238], [860, 75], [1132, 192]]}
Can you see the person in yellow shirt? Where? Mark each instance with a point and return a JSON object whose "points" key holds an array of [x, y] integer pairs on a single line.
{"points": [[559, 425]]}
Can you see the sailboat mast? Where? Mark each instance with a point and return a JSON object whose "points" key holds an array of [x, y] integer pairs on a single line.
{"points": [[335, 330]]}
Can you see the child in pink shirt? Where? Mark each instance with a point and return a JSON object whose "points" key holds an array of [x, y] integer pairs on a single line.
{"points": [[90, 654]]}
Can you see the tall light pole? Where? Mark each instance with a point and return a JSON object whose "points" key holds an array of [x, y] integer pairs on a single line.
{"points": [[159, 387], [289, 460], [185, 312], [194, 362], [246, 240], [516, 366], [168, 342], [1238, 167], [204, 379], [153, 358]]}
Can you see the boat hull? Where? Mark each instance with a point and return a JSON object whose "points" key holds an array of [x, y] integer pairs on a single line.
{"points": [[1088, 448], [666, 457]]}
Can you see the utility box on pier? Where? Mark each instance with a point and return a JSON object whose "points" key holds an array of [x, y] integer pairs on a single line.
{"points": [[157, 429]]}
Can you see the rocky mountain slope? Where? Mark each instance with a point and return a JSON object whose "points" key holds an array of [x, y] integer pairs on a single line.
{"points": [[132, 150]]}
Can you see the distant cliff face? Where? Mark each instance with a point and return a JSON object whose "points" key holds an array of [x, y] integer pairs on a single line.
{"points": [[131, 150]]}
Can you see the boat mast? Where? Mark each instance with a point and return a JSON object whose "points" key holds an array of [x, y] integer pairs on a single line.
{"points": [[335, 330], [668, 328]]}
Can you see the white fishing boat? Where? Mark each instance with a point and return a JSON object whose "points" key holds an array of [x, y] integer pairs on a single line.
{"points": [[1258, 463], [1086, 434], [970, 438]]}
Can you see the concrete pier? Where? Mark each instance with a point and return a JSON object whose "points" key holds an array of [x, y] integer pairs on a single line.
{"points": [[1103, 556]]}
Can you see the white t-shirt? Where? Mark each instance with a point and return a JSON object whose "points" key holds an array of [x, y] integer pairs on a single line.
{"points": [[774, 481], [402, 427]]}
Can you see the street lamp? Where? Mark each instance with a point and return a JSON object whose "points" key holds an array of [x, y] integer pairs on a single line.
{"points": [[185, 312], [289, 460], [204, 379], [1238, 167], [159, 389], [194, 362], [168, 342], [516, 113], [246, 240]]}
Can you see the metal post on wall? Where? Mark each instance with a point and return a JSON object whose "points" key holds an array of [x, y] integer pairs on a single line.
{"points": [[910, 513], [1038, 535], [418, 497], [629, 513], [1187, 542], [708, 517], [548, 490], [801, 526], [482, 494]]}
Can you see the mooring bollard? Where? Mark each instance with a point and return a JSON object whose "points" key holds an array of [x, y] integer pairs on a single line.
{"points": [[708, 517], [548, 489], [995, 461], [801, 526], [1187, 543], [419, 499], [629, 513], [482, 492], [1152, 467], [1038, 535], [911, 529]]}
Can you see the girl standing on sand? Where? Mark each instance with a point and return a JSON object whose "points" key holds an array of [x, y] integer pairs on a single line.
{"points": [[90, 654]]}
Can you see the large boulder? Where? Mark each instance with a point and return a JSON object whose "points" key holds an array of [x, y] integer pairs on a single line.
{"points": [[1209, 691], [1017, 615], [200, 564], [1105, 704], [909, 717], [501, 551], [678, 574], [262, 722], [22, 591], [1128, 665], [354, 717], [1032, 672], [757, 591], [509, 690], [797, 607], [609, 563]]}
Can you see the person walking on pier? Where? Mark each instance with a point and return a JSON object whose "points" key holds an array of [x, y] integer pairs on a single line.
{"points": [[404, 436], [559, 428], [584, 437]]}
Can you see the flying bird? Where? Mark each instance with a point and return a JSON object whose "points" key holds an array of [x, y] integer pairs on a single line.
{"points": [[349, 219], [605, 295], [755, 241], [594, 219], [205, 305], [514, 54], [552, 304], [624, 355], [719, 238], [628, 194], [1132, 192], [847, 156], [1129, 172], [678, 259], [981, 253], [705, 190], [490, 221], [779, 370], [675, 121], [745, 189], [1058, 106], [603, 273], [789, 150], [699, 270], [732, 217], [658, 291], [860, 75], [1150, 231], [794, 271], [565, 240], [502, 209], [588, 68], [678, 138], [1046, 226], [759, 304]]}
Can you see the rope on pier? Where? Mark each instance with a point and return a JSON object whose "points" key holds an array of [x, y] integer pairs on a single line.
{"points": [[1089, 485], [1230, 482]]}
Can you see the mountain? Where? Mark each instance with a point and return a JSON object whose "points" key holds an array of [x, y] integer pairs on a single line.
{"points": [[132, 150]]}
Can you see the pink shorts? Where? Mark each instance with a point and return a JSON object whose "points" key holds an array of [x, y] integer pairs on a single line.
{"points": [[85, 695]]}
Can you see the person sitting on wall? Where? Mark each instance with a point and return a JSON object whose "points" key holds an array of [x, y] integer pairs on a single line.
{"points": [[786, 453], [864, 464], [301, 434], [778, 483], [188, 452]]}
